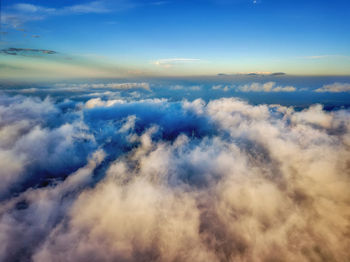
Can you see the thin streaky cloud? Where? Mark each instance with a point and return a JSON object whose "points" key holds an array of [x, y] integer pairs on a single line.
{"points": [[91, 7], [169, 62], [21, 13], [30, 8]]}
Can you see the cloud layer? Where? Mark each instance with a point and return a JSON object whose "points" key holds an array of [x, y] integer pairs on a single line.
{"points": [[154, 180]]}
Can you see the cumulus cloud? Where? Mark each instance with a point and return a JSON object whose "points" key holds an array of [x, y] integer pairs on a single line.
{"points": [[266, 87], [23, 123], [334, 88], [173, 181]]}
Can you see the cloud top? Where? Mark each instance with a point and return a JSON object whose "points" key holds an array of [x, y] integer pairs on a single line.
{"points": [[155, 180]]}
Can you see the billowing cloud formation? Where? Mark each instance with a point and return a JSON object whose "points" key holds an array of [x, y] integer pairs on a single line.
{"points": [[334, 88], [156, 180], [267, 87]]}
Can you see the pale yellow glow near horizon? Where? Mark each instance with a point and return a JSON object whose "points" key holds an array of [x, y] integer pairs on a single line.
{"points": [[43, 68]]}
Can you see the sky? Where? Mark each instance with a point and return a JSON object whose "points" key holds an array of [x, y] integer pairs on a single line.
{"points": [[43, 40]]}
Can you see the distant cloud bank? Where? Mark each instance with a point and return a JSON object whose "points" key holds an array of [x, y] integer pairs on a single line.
{"points": [[256, 87], [142, 85], [267, 87], [334, 88]]}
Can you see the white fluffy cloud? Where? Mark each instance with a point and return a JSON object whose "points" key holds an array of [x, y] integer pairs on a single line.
{"points": [[26, 141], [237, 183]]}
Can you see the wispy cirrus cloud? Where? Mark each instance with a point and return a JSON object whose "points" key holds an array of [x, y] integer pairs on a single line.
{"points": [[170, 62], [91, 7], [21, 13], [15, 20], [98, 6], [30, 8]]}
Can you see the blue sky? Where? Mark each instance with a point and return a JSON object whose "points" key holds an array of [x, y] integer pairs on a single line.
{"points": [[113, 38]]}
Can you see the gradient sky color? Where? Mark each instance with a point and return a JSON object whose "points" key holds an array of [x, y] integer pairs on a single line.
{"points": [[118, 38]]}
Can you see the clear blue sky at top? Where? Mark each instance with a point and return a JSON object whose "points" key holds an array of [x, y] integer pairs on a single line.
{"points": [[214, 31]]}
